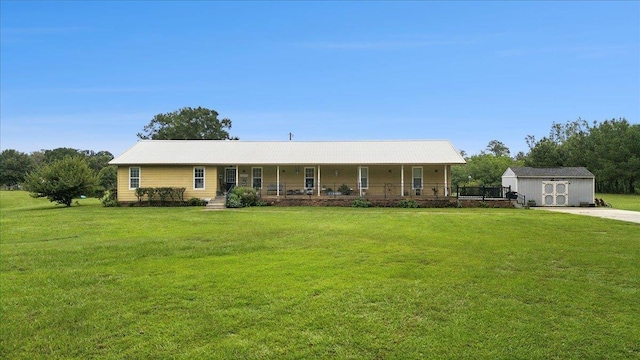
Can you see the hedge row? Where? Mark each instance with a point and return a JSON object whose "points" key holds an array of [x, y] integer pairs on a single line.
{"points": [[362, 202], [163, 194]]}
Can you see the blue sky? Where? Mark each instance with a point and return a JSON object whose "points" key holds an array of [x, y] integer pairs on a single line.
{"points": [[90, 75]]}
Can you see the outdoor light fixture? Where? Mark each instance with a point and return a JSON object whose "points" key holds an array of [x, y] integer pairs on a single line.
{"points": [[336, 172]]}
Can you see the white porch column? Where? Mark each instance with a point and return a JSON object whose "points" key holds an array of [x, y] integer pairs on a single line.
{"points": [[278, 180], [359, 179], [237, 175], [318, 184], [446, 189], [402, 180]]}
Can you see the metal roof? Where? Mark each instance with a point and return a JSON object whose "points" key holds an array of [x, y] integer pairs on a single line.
{"points": [[565, 172], [236, 152]]}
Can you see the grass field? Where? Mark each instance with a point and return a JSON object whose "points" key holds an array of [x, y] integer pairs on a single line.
{"points": [[259, 283], [623, 202]]}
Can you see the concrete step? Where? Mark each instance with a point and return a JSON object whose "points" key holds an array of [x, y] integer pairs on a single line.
{"points": [[219, 203]]}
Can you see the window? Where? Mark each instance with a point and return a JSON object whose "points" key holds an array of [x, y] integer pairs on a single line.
{"points": [[309, 178], [364, 178], [134, 178], [198, 178], [256, 173], [417, 178], [230, 176]]}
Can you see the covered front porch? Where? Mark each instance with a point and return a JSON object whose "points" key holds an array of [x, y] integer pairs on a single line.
{"points": [[333, 181]]}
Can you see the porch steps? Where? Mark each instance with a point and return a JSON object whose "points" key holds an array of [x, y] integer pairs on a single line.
{"points": [[218, 203]]}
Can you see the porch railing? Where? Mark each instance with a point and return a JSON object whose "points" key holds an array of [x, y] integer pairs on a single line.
{"points": [[371, 190], [226, 195], [484, 192]]}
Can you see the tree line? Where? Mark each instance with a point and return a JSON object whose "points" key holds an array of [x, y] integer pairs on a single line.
{"points": [[64, 173], [609, 149], [15, 166]]}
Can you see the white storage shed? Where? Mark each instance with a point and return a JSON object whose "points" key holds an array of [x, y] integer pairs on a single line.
{"points": [[561, 186]]}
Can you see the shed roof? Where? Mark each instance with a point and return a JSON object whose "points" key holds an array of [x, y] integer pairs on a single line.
{"points": [[564, 172], [234, 152]]}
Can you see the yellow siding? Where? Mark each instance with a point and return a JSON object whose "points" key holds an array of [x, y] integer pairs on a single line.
{"points": [[167, 176], [331, 176]]}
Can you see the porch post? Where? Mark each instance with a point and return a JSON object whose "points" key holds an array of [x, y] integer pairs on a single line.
{"points": [[359, 179], [402, 180], [318, 184], [278, 180], [237, 175], [446, 189]]}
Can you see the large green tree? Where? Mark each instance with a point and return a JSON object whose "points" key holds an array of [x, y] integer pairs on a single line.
{"points": [[57, 154], [108, 177], [613, 155], [486, 168], [97, 160], [62, 180], [498, 148], [610, 150], [545, 153], [14, 166], [187, 124], [482, 170]]}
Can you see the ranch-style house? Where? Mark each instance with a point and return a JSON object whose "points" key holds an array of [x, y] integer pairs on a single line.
{"points": [[209, 168]]}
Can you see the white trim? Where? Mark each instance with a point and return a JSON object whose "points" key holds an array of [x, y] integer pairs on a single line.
{"points": [[226, 179], [446, 188], [402, 180], [305, 177], [413, 187], [319, 187], [139, 177], [254, 177], [203, 178], [554, 194], [358, 181], [366, 186]]}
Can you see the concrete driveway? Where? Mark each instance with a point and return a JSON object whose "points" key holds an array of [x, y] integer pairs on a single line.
{"points": [[605, 213]]}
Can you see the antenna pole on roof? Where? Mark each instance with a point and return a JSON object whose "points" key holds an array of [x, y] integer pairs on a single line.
{"points": [[290, 136]]}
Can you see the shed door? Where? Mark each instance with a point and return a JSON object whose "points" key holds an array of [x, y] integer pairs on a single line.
{"points": [[555, 193]]}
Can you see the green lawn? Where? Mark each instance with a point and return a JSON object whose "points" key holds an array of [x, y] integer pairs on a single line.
{"points": [[623, 202], [139, 283]]}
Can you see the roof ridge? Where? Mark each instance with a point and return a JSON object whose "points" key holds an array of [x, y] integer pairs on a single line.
{"points": [[295, 141]]}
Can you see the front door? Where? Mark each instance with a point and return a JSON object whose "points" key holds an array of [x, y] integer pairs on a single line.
{"points": [[230, 178], [555, 193]]}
